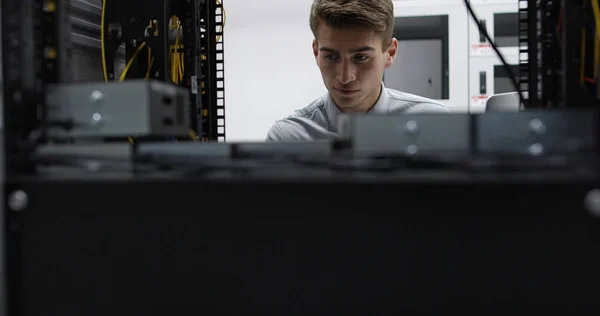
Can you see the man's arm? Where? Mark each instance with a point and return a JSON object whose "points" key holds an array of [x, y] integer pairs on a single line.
{"points": [[288, 130], [276, 132], [427, 108]]}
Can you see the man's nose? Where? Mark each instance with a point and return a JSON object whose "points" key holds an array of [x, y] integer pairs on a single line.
{"points": [[346, 73]]}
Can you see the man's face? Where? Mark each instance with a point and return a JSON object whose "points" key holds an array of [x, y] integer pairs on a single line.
{"points": [[352, 62]]}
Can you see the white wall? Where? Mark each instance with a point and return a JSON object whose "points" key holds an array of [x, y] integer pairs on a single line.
{"points": [[270, 70]]}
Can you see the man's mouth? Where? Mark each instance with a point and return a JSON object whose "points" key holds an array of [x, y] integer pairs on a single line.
{"points": [[345, 91]]}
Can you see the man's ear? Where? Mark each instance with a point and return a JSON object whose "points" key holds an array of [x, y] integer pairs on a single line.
{"points": [[392, 53], [315, 47]]}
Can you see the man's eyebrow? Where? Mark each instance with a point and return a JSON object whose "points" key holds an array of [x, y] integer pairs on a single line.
{"points": [[363, 49], [329, 50], [358, 50]]}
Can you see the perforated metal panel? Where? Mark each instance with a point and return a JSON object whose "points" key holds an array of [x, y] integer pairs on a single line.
{"points": [[81, 26], [213, 17]]}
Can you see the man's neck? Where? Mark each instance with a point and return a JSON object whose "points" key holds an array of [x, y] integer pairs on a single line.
{"points": [[367, 106]]}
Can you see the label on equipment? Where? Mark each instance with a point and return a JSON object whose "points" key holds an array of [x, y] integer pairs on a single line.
{"points": [[481, 49], [478, 101], [194, 84]]}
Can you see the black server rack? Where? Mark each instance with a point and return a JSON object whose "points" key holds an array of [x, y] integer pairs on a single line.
{"points": [[559, 53]]}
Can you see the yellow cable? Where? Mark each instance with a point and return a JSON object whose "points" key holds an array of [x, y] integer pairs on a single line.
{"points": [[173, 74], [137, 51], [149, 68], [193, 135], [102, 40], [596, 10], [180, 68], [175, 59], [149, 62], [182, 63], [596, 58], [124, 73], [150, 59]]}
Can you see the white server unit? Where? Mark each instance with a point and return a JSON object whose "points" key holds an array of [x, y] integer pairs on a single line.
{"points": [[432, 54], [478, 2], [487, 75], [502, 24]]}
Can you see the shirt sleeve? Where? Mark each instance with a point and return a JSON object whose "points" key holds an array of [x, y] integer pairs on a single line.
{"points": [[286, 130], [427, 108], [276, 133]]}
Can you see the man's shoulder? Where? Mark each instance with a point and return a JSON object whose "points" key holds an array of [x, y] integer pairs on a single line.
{"points": [[412, 103], [302, 124], [289, 128], [316, 106]]}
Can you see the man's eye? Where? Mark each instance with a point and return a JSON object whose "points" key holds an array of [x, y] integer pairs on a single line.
{"points": [[331, 57], [361, 57]]}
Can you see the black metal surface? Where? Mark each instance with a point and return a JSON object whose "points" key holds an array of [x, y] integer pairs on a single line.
{"points": [[124, 248], [23, 93], [551, 61], [191, 20], [49, 45], [63, 17], [133, 18], [578, 17], [24, 24]]}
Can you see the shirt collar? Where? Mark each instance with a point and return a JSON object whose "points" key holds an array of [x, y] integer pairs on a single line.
{"points": [[381, 106]]}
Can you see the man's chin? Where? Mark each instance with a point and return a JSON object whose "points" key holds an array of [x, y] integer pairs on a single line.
{"points": [[349, 108]]}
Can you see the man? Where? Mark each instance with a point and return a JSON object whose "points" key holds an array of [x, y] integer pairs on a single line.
{"points": [[353, 46]]}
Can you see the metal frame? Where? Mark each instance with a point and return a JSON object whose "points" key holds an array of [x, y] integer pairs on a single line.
{"points": [[551, 62], [124, 23], [166, 239], [212, 82], [576, 17], [63, 29], [190, 17], [528, 52], [31, 44], [540, 57], [202, 21], [30, 59]]}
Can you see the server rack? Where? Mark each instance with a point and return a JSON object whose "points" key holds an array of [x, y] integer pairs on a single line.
{"points": [[53, 42], [31, 59], [25, 68], [534, 54], [47, 42], [212, 82], [580, 50], [201, 24], [560, 53]]}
